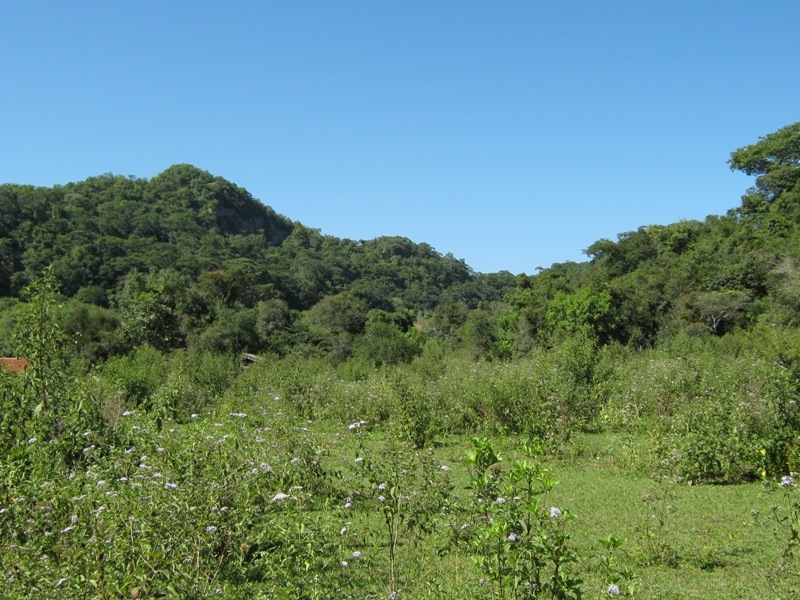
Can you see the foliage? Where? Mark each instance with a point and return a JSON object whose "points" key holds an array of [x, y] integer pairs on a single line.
{"points": [[385, 344], [49, 407], [343, 313], [520, 543], [148, 310], [586, 310], [187, 259], [137, 376], [141, 457], [774, 160], [248, 481], [784, 522]]}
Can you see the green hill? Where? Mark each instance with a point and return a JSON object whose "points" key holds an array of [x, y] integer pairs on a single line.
{"points": [[190, 258]]}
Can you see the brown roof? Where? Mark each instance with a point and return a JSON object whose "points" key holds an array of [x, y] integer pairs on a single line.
{"points": [[15, 365]]}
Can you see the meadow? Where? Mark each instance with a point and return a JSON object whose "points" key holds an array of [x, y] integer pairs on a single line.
{"points": [[579, 470]]}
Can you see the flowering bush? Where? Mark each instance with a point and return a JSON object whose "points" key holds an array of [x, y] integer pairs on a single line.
{"points": [[520, 544]]}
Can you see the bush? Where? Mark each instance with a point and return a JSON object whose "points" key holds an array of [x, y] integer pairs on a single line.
{"points": [[137, 375], [195, 382], [385, 344], [49, 410]]}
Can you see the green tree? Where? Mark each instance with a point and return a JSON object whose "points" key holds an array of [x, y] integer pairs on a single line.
{"points": [[273, 320], [384, 343], [786, 282], [445, 321], [93, 328], [341, 313], [479, 332], [49, 406], [586, 310], [632, 249], [336, 320], [148, 309], [775, 161], [234, 330], [512, 335], [718, 311]]}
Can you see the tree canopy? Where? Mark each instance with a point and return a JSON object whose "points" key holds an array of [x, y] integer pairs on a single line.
{"points": [[188, 258]]}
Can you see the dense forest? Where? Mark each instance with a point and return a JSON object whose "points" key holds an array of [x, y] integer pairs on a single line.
{"points": [[190, 260]]}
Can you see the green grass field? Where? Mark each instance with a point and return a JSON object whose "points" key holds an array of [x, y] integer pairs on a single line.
{"points": [[296, 480]]}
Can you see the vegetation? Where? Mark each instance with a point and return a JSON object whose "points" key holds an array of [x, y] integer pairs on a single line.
{"points": [[399, 426]]}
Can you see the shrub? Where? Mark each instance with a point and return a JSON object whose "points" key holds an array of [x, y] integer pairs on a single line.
{"points": [[137, 375]]}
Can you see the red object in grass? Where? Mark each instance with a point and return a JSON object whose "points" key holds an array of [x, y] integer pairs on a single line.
{"points": [[15, 365]]}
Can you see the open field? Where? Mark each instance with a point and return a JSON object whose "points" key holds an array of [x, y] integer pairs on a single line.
{"points": [[580, 470], [278, 488]]}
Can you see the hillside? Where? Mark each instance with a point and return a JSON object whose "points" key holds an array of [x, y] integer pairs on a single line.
{"points": [[706, 277], [97, 231], [187, 258], [213, 255]]}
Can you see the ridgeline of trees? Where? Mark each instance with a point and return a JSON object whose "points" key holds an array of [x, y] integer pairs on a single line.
{"points": [[187, 259]]}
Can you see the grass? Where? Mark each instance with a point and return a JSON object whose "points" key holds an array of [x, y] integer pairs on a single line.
{"points": [[704, 542], [710, 544]]}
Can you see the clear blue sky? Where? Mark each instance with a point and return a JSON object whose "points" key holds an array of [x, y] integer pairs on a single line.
{"points": [[511, 134]]}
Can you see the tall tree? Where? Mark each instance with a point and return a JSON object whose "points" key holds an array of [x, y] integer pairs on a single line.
{"points": [[775, 161]]}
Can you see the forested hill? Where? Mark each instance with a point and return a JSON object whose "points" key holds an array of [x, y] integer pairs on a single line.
{"points": [[701, 278], [98, 231], [166, 260], [187, 259]]}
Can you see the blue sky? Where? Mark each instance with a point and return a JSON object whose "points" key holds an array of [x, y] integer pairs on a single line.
{"points": [[510, 134]]}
